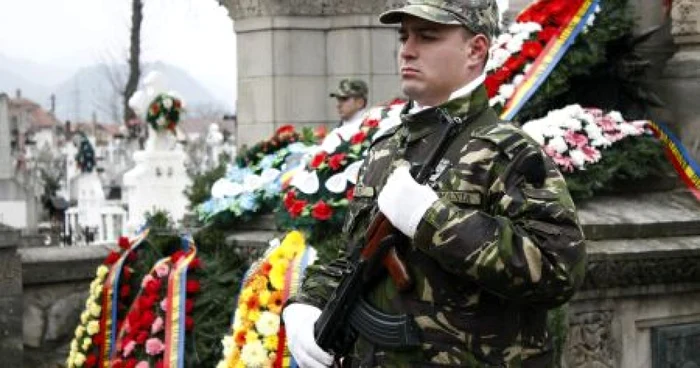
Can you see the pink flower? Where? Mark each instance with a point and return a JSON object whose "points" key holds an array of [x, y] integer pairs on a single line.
{"points": [[143, 364], [154, 346], [128, 348], [146, 279], [164, 305], [575, 139], [592, 154], [550, 151], [597, 113], [162, 270], [607, 124], [564, 162], [157, 326]]}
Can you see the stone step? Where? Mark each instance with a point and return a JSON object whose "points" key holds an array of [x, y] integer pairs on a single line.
{"points": [[643, 215], [642, 262]]}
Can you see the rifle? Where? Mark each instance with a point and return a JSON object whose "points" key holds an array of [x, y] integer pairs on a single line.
{"points": [[331, 328]]}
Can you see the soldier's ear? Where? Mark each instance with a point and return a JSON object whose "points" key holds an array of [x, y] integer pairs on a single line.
{"points": [[478, 52]]}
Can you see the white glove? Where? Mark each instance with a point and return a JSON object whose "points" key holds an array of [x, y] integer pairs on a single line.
{"points": [[403, 201], [299, 320]]}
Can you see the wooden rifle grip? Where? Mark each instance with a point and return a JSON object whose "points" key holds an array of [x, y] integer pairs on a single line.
{"points": [[377, 231]]}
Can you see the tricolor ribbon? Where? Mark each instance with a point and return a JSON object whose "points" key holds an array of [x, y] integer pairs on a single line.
{"points": [[174, 355], [110, 298], [548, 60], [680, 158]]}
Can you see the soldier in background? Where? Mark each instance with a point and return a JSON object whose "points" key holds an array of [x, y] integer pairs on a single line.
{"points": [[493, 240], [351, 97]]}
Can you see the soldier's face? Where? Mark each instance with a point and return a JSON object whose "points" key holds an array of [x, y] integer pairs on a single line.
{"points": [[436, 59], [348, 106]]}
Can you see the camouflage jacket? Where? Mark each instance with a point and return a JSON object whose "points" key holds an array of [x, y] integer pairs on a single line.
{"points": [[490, 257]]}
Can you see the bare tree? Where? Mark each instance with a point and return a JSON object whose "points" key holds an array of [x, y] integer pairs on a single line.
{"points": [[134, 59]]}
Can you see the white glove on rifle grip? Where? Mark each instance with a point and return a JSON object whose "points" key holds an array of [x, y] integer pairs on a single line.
{"points": [[403, 201], [299, 320]]}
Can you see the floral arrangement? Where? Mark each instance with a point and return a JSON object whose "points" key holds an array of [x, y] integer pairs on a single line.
{"points": [[164, 112], [85, 158], [284, 136], [319, 193], [587, 146], [257, 339], [142, 339], [532, 37], [87, 347]]}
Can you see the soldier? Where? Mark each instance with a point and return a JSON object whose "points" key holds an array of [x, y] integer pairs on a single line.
{"points": [[352, 101], [493, 237]]}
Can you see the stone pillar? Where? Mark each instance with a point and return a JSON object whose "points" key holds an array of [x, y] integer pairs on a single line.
{"points": [[11, 348], [292, 54]]}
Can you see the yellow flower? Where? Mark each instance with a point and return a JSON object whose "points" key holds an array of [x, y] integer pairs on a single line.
{"points": [[277, 276], [264, 297], [87, 342], [74, 345], [102, 271], [253, 315], [271, 342], [79, 331], [93, 327], [84, 317], [251, 336], [79, 359], [95, 309]]}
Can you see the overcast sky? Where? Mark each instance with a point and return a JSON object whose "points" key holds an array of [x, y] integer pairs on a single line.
{"points": [[196, 35]]}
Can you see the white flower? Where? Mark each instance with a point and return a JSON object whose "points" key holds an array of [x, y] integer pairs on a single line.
{"points": [[307, 182], [506, 90], [352, 171], [550, 130], [518, 79], [348, 130], [498, 99], [503, 38], [578, 158], [167, 102], [629, 129], [572, 123], [253, 354], [268, 323], [616, 116], [593, 131], [531, 27], [252, 183], [161, 121], [533, 129], [515, 45], [224, 188], [270, 175], [559, 144], [499, 57], [331, 143], [337, 183], [601, 142], [527, 67]]}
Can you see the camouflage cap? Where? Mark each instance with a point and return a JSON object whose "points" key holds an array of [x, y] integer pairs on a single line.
{"points": [[351, 88], [478, 16]]}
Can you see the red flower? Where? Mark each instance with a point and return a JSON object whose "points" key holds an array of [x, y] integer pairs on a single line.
{"points": [[547, 33], [350, 194], [318, 160], [285, 129], [297, 208], [159, 364], [371, 123], [514, 63], [153, 286], [289, 199], [124, 242], [336, 161], [91, 360], [146, 302], [189, 323], [141, 337], [98, 339], [189, 305], [130, 363], [192, 286], [112, 258], [117, 363], [492, 86], [320, 132], [321, 211], [177, 255], [358, 138], [240, 338], [265, 268], [124, 291], [531, 49], [147, 318], [127, 272], [131, 257], [195, 264], [501, 75], [253, 302]]}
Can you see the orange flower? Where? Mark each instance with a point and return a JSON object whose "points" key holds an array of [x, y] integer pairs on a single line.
{"points": [[276, 302], [240, 338], [253, 302]]}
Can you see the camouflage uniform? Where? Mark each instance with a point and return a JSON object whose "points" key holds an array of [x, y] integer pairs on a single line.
{"points": [[489, 258]]}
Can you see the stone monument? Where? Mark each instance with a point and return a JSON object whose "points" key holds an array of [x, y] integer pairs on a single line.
{"points": [[158, 180]]}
